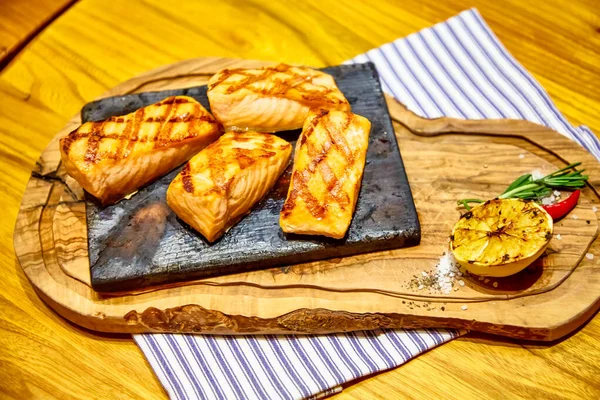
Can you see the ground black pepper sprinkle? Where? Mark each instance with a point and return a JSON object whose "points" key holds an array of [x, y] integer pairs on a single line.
{"points": [[439, 279]]}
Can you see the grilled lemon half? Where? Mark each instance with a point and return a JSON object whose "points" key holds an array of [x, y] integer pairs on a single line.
{"points": [[501, 237]]}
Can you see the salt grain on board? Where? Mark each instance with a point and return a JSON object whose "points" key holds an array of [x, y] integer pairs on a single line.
{"points": [[595, 209], [535, 175], [575, 217], [440, 278], [589, 256], [521, 156], [559, 237], [464, 308], [446, 270], [443, 277]]}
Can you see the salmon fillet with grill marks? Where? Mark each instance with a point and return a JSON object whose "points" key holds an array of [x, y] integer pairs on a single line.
{"points": [[113, 158], [271, 99], [219, 185], [328, 168]]}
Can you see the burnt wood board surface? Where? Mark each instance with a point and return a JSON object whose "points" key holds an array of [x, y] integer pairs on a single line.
{"points": [[140, 242]]}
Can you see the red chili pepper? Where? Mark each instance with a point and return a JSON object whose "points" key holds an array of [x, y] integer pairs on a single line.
{"points": [[563, 207]]}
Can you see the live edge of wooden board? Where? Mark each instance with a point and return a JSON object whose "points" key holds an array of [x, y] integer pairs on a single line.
{"points": [[445, 159]]}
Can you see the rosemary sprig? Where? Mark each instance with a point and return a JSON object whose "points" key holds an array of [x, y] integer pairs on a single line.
{"points": [[525, 187]]}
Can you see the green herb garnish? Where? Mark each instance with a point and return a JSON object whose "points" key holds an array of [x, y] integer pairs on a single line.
{"points": [[525, 187]]}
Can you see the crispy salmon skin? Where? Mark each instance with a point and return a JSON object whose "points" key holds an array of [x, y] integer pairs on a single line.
{"points": [[328, 168], [219, 185], [271, 99], [113, 158]]}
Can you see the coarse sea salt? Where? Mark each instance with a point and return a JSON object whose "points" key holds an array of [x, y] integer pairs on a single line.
{"points": [[446, 269], [559, 237], [464, 308], [575, 216], [440, 278], [546, 201], [521, 156], [537, 174], [595, 209], [589, 256]]}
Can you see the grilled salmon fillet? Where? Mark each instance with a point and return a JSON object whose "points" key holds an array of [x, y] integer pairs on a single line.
{"points": [[271, 99], [328, 168], [113, 158], [219, 185]]}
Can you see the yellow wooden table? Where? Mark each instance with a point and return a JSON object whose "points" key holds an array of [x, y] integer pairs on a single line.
{"points": [[97, 44], [20, 21]]}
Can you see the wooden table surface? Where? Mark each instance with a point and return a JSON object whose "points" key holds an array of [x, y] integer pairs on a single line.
{"points": [[21, 20], [97, 44]]}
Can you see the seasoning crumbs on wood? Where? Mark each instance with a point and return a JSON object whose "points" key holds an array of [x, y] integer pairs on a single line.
{"points": [[444, 277]]}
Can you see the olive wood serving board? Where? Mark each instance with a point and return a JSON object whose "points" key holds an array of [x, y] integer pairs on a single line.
{"points": [[445, 159], [169, 250]]}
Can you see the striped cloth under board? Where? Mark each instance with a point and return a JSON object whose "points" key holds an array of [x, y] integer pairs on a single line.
{"points": [[457, 68]]}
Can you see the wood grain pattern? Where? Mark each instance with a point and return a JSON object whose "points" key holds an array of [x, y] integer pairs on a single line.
{"points": [[98, 44], [21, 21], [350, 293]]}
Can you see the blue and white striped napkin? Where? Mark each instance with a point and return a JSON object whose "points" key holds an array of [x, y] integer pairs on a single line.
{"points": [[457, 68]]}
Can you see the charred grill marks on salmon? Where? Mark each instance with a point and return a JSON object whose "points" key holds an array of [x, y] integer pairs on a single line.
{"points": [[219, 185], [115, 157], [328, 167], [272, 98]]}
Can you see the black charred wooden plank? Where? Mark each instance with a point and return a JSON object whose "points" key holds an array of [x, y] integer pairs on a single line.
{"points": [[141, 242]]}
